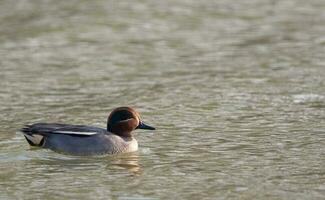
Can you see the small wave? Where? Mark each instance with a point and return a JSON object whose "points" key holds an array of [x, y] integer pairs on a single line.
{"points": [[308, 98]]}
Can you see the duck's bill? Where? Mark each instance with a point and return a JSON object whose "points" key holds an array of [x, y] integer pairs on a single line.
{"points": [[145, 126]]}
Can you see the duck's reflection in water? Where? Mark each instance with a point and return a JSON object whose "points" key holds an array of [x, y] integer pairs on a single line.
{"points": [[51, 162], [129, 161]]}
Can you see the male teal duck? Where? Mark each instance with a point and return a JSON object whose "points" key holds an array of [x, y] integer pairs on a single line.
{"points": [[89, 140]]}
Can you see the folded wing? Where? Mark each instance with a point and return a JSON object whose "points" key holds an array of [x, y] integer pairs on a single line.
{"points": [[45, 129]]}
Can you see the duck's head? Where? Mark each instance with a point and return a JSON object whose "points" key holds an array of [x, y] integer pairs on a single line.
{"points": [[123, 120]]}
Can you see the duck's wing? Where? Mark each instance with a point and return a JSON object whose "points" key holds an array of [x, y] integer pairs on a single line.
{"points": [[45, 129]]}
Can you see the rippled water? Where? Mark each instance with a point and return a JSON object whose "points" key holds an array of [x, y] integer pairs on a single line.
{"points": [[235, 88]]}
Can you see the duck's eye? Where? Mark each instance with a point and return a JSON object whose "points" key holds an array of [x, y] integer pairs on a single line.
{"points": [[126, 115], [122, 115], [125, 118]]}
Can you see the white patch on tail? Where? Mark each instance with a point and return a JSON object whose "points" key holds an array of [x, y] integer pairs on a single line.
{"points": [[35, 139]]}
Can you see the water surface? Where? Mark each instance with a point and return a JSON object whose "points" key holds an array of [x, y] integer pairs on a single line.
{"points": [[236, 90]]}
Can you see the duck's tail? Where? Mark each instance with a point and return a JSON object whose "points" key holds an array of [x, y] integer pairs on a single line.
{"points": [[32, 138]]}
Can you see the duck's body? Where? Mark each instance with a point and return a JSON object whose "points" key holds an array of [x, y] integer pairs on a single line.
{"points": [[78, 139], [88, 140]]}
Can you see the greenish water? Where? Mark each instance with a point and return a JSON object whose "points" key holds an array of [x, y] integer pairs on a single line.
{"points": [[235, 88]]}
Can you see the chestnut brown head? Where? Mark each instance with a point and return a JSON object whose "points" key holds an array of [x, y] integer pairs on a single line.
{"points": [[123, 120]]}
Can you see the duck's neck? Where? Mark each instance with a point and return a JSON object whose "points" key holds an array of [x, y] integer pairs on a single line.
{"points": [[124, 135], [127, 139]]}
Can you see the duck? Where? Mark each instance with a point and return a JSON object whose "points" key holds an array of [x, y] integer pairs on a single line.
{"points": [[82, 140]]}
